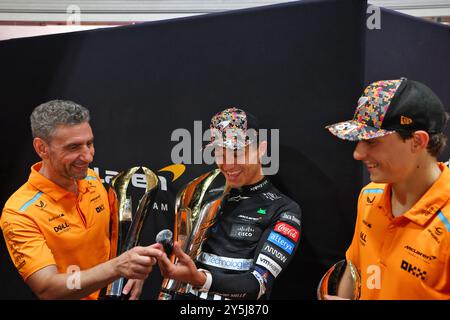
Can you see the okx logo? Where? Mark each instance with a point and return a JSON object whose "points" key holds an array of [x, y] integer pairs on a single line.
{"points": [[415, 271]]}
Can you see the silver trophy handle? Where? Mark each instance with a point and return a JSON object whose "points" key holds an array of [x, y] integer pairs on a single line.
{"points": [[330, 282], [120, 207]]}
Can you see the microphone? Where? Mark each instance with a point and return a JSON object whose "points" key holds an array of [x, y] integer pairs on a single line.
{"points": [[165, 238]]}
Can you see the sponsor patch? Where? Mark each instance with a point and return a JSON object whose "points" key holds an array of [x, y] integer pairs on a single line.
{"points": [[100, 208], [247, 218], [269, 264], [63, 227], [413, 270], [56, 217], [362, 238], [265, 274], [288, 217], [281, 241], [225, 262], [95, 198], [414, 252], [262, 285], [259, 186], [274, 253], [17, 256], [367, 224], [243, 232], [287, 230], [271, 196]]}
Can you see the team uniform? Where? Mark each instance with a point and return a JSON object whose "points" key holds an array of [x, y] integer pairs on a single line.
{"points": [[405, 257], [254, 238], [44, 224]]}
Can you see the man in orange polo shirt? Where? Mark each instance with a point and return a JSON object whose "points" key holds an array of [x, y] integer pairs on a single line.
{"points": [[402, 235], [56, 226]]}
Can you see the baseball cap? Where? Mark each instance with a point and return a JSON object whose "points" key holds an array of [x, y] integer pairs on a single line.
{"points": [[388, 106], [230, 128]]}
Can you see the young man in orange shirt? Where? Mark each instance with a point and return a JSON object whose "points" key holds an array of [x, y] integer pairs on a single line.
{"points": [[56, 226], [402, 235]]}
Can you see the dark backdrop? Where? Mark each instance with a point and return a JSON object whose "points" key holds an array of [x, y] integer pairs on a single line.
{"points": [[296, 66]]}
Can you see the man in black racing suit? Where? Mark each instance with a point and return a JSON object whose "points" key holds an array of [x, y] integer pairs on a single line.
{"points": [[257, 229]]}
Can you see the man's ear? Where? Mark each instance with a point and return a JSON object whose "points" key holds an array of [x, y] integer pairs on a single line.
{"points": [[262, 149], [420, 141], [41, 147]]}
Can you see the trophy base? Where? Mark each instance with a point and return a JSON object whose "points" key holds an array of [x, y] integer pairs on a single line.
{"points": [[114, 291]]}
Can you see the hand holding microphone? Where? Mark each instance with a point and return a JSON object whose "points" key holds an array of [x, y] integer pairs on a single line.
{"points": [[165, 238], [185, 269]]}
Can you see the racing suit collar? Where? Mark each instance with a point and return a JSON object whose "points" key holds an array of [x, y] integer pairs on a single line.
{"points": [[258, 187]]}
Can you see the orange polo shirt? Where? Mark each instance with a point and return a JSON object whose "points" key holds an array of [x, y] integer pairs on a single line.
{"points": [[405, 257], [44, 224]]}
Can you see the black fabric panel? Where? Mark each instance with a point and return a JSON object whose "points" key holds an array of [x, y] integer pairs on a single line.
{"points": [[297, 66], [414, 48]]}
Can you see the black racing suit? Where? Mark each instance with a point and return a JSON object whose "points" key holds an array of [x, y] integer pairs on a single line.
{"points": [[255, 236]]}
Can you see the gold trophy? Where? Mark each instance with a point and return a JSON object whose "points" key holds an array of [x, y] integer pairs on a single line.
{"points": [[196, 207], [329, 284], [125, 228]]}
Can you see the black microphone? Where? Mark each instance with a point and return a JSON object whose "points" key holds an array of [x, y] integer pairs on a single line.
{"points": [[165, 238]]}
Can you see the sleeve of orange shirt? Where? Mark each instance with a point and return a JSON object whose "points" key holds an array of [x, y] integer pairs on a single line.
{"points": [[25, 242], [114, 222], [352, 253]]}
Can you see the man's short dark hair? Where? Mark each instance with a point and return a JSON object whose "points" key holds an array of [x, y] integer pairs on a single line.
{"points": [[436, 144]]}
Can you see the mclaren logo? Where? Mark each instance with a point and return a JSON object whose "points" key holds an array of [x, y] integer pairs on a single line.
{"points": [[138, 179], [420, 254], [176, 169]]}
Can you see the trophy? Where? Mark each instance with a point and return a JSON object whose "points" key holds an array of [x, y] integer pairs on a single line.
{"points": [[125, 228], [196, 207], [329, 284]]}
